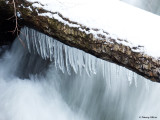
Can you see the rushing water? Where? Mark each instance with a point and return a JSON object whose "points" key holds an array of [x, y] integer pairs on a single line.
{"points": [[48, 80]]}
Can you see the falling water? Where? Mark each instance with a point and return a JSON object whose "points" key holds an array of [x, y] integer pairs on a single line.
{"points": [[48, 80]]}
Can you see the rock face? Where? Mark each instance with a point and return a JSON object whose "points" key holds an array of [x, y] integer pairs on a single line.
{"points": [[106, 48]]}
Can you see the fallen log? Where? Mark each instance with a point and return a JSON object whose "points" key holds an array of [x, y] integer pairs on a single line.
{"points": [[76, 35]]}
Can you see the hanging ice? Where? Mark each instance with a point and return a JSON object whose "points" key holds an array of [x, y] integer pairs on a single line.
{"points": [[69, 59], [49, 48]]}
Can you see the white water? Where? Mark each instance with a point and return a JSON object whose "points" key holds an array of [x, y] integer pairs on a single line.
{"points": [[68, 84]]}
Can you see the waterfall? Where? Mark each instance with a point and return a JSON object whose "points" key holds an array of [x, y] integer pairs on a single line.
{"points": [[48, 80]]}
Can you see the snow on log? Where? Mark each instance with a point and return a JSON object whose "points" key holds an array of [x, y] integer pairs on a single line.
{"points": [[94, 41]]}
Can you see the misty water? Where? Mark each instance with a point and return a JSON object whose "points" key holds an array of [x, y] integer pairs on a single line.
{"points": [[48, 80]]}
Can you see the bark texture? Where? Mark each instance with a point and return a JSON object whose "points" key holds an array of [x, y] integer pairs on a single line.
{"points": [[105, 48]]}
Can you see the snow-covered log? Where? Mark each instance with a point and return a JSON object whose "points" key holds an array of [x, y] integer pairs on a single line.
{"points": [[94, 41]]}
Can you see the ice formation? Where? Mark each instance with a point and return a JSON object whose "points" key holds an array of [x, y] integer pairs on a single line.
{"points": [[68, 58]]}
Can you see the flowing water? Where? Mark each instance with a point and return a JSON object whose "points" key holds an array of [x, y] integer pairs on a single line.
{"points": [[48, 80]]}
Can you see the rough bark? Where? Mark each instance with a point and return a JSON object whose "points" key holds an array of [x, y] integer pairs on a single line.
{"points": [[104, 48]]}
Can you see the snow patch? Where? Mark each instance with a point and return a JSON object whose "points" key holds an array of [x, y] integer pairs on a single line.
{"points": [[18, 14], [37, 5], [29, 8]]}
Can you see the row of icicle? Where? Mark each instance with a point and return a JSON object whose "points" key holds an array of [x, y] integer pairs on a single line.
{"points": [[72, 59]]}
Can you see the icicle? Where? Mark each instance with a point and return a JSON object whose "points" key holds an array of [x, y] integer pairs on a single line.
{"points": [[66, 60], [55, 54], [60, 57], [86, 64], [103, 68], [50, 46], [147, 85], [104, 71], [75, 57], [36, 42], [43, 47], [72, 60], [130, 77], [27, 39], [80, 61], [89, 63], [58, 54], [93, 63], [33, 42], [110, 74], [135, 78]]}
